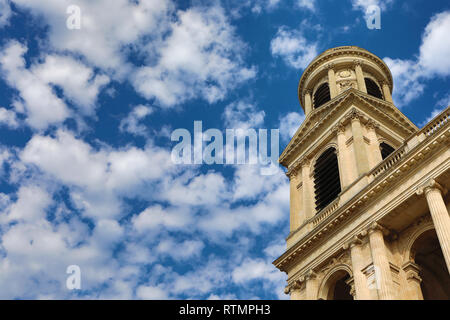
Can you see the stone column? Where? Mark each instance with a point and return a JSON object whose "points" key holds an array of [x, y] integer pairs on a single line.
{"points": [[439, 214], [345, 166], [332, 80], [307, 187], [414, 291], [375, 152], [386, 91], [381, 264], [308, 102], [312, 285], [295, 202], [360, 149], [360, 76], [359, 279]]}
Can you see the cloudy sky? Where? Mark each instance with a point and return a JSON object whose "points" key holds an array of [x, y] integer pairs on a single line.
{"points": [[86, 117]]}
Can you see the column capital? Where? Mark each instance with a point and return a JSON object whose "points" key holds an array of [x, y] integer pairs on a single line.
{"points": [[305, 162], [292, 173], [307, 91], [354, 241], [430, 185], [375, 226], [310, 275], [371, 125], [295, 285], [357, 62], [339, 128], [329, 66], [355, 115]]}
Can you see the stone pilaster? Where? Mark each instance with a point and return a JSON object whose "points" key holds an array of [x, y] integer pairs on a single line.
{"points": [[307, 188], [308, 102], [296, 290], [359, 279], [360, 149], [375, 152], [386, 91], [312, 285], [345, 164], [381, 262], [441, 220], [413, 280], [332, 80], [360, 76], [295, 202]]}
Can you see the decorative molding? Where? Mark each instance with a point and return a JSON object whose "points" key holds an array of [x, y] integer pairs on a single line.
{"points": [[429, 186]]}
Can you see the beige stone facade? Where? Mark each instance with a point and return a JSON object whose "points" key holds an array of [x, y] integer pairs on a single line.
{"points": [[386, 235]]}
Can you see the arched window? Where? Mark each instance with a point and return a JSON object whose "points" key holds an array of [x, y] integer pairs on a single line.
{"points": [[386, 150], [326, 179], [322, 95], [373, 89]]}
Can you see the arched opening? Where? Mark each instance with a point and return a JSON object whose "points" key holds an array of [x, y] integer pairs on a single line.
{"points": [[322, 95], [386, 150], [373, 89], [336, 287], [327, 183], [427, 254]]}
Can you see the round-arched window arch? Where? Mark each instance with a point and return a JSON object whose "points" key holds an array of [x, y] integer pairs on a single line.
{"points": [[322, 95], [327, 182], [372, 88]]}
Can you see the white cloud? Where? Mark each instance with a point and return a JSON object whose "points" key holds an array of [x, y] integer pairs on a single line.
{"points": [[42, 106], [201, 57], [180, 250], [256, 269], [293, 48], [435, 47], [243, 115], [5, 12], [131, 122], [289, 123], [35, 85], [31, 204], [9, 118], [156, 217], [364, 4], [151, 293], [78, 82], [106, 27], [97, 177], [307, 4], [410, 76], [408, 81]]}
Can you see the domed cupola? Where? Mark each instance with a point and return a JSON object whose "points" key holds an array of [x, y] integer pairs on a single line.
{"points": [[339, 69]]}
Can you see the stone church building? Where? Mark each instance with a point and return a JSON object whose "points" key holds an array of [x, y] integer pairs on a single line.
{"points": [[369, 200]]}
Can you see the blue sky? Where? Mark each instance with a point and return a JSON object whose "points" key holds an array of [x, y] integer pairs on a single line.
{"points": [[86, 115]]}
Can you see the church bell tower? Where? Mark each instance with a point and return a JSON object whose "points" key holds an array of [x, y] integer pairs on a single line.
{"points": [[346, 164]]}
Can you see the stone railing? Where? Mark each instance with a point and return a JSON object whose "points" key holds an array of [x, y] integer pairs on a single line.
{"points": [[437, 123], [326, 212], [390, 161]]}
